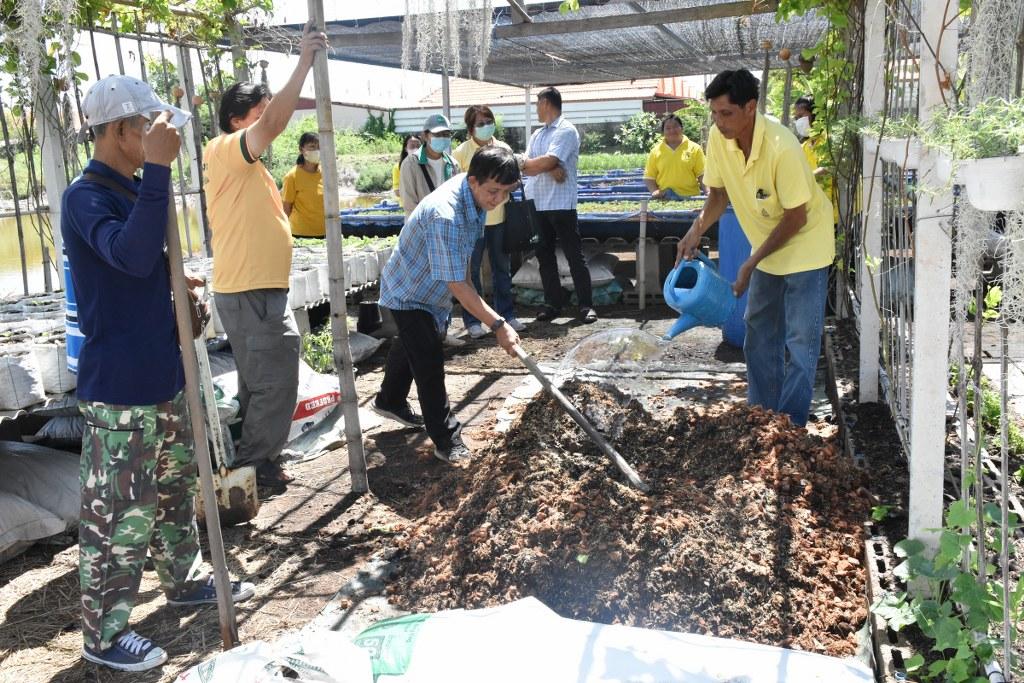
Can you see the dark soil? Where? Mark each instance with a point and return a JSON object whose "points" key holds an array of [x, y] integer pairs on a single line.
{"points": [[753, 529]]}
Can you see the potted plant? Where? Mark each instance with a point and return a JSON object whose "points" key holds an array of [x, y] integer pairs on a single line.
{"points": [[985, 144], [897, 139]]}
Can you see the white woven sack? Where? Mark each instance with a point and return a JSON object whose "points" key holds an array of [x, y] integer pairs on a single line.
{"points": [[324, 275], [52, 356], [313, 291], [21, 382], [372, 265], [296, 291]]}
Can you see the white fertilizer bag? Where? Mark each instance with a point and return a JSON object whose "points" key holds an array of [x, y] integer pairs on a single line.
{"points": [[314, 657], [51, 353], [21, 382], [21, 523], [43, 476]]}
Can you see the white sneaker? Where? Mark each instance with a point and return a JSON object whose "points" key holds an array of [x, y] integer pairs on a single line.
{"points": [[476, 330], [453, 341], [516, 324]]}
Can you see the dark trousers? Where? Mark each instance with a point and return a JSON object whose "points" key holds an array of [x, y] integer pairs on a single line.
{"points": [[562, 227], [416, 354]]}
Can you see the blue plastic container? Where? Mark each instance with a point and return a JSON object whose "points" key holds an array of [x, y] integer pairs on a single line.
{"points": [[700, 294], [74, 336], [733, 250]]}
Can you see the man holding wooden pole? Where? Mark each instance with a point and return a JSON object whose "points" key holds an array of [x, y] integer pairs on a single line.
{"points": [[138, 472]]}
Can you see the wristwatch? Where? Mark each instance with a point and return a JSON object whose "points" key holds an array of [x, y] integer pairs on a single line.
{"points": [[496, 325]]}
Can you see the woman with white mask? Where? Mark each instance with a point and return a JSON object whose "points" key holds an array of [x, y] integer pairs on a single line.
{"points": [[815, 146]]}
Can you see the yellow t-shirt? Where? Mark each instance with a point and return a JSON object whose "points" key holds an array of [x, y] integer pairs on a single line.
{"points": [[811, 146], [396, 178], [252, 243], [775, 177], [464, 154], [676, 169], [305, 192]]}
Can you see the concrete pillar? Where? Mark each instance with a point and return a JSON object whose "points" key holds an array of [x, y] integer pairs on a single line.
{"points": [[871, 246], [527, 117], [54, 172], [932, 275], [446, 96]]}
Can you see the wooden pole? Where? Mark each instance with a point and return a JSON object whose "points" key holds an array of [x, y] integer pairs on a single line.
{"points": [[181, 169], [446, 96], [14, 191], [47, 116], [787, 94], [195, 142], [190, 362], [335, 262], [527, 117], [117, 43]]}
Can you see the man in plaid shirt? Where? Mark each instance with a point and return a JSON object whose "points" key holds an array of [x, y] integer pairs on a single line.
{"points": [[429, 266], [550, 164]]}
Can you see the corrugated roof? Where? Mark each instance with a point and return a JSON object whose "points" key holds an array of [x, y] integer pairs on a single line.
{"points": [[557, 49]]}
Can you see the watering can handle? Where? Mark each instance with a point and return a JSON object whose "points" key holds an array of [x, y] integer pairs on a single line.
{"points": [[705, 259]]}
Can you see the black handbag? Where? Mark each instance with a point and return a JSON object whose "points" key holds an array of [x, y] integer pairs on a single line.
{"points": [[521, 233]]}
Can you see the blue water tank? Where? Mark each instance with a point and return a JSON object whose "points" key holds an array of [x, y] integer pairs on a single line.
{"points": [[74, 335], [733, 250]]}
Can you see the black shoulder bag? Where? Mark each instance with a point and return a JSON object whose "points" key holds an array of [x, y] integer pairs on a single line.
{"points": [[521, 232]]}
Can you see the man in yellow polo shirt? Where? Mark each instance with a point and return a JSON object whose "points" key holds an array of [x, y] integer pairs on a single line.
{"points": [[759, 165], [252, 256], [675, 165]]}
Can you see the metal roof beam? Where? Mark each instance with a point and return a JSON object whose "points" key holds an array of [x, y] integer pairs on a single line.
{"points": [[671, 16], [672, 37]]}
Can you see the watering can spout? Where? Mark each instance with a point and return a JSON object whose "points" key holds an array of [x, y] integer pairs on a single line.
{"points": [[682, 324]]}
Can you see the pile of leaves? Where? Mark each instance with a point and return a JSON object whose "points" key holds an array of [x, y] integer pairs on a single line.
{"points": [[753, 528]]}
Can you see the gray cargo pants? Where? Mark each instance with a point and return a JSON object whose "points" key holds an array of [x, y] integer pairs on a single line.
{"points": [[263, 337]]}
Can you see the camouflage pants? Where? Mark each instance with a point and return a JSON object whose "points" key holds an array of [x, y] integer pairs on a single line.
{"points": [[138, 479]]}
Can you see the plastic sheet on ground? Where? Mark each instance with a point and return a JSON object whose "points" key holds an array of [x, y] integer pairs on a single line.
{"points": [[526, 641], [305, 657]]}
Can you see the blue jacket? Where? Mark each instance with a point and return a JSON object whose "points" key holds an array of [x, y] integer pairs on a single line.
{"points": [[115, 251]]}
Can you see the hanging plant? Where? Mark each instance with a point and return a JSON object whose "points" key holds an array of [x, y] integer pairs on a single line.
{"points": [[435, 31]]}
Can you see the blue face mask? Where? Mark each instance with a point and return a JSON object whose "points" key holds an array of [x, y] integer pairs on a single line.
{"points": [[485, 133], [440, 145]]}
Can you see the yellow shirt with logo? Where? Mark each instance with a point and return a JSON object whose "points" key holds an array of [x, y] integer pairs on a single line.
{"points": [[305, 192], [775, 177], [676, 169], [464, 154], [251, 240]]}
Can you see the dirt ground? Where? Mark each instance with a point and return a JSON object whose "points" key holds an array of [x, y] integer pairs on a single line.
{"points": [[308, 542]]}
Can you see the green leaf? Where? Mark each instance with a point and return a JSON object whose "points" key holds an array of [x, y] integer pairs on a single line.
{"points": [[960, 515], [880, 512], [908, 547], [914, 663], [947, 632], [582, 558]]}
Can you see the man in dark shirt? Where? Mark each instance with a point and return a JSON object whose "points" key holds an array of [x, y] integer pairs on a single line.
{"points": [[138, 473]]}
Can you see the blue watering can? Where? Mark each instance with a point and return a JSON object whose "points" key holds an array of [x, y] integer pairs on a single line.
{"points": [[700, 294]]}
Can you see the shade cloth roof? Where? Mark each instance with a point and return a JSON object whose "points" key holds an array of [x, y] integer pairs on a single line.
{"points": [[607, 40]]}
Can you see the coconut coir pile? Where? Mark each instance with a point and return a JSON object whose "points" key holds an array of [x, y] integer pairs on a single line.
{"points": [[753, 529]]}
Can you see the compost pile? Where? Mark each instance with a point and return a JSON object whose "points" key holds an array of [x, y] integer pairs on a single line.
{"points": [[753, 529]]}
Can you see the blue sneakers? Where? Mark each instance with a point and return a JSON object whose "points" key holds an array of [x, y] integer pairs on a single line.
{"points": [[205, 593], [130, 652]]}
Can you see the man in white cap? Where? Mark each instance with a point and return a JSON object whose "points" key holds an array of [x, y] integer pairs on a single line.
{"points": [[138, 473]]}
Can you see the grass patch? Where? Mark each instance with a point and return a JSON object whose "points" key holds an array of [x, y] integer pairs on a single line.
{"points": [[611, 161]]}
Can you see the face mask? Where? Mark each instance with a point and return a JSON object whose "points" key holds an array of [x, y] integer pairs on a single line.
{"points": [[412, 150], [440, 145], [312, 156], [485, 133], [803, 126]]}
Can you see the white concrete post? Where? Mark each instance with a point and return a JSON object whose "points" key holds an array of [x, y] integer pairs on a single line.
{"points": [[446, 96], [871, 243], [932, 273], [54, 172]]}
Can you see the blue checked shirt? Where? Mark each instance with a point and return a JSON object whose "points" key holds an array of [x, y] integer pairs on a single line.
{"points": [[560, 139], [433, 249]]}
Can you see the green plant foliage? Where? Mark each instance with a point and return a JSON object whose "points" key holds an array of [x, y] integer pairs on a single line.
{"points": [[374, 177], [992, 128], [593, 141], [377, 128], [606, 161], [949, 606], [318, 350], [640, 133]]}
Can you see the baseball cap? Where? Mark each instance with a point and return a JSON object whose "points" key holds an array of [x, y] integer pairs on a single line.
{"points": [[118, 97], [436, 123]]}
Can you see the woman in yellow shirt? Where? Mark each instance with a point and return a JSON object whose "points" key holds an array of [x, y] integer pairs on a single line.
{"points": [[302, 191], [675, 165], [803, 119], [410, 145]]}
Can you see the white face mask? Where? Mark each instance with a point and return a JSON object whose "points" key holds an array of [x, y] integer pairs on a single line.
{"points": [[803, 126], [312, 156]]}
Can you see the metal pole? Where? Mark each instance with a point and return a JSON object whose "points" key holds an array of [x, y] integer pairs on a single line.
{"points": [[1004, 490], [190, 362], [641, 256], [117, 43], [142, 55], [335, 262], [195, 142], [181, 169], [54, 172], [762, 99], [787, 94]]}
